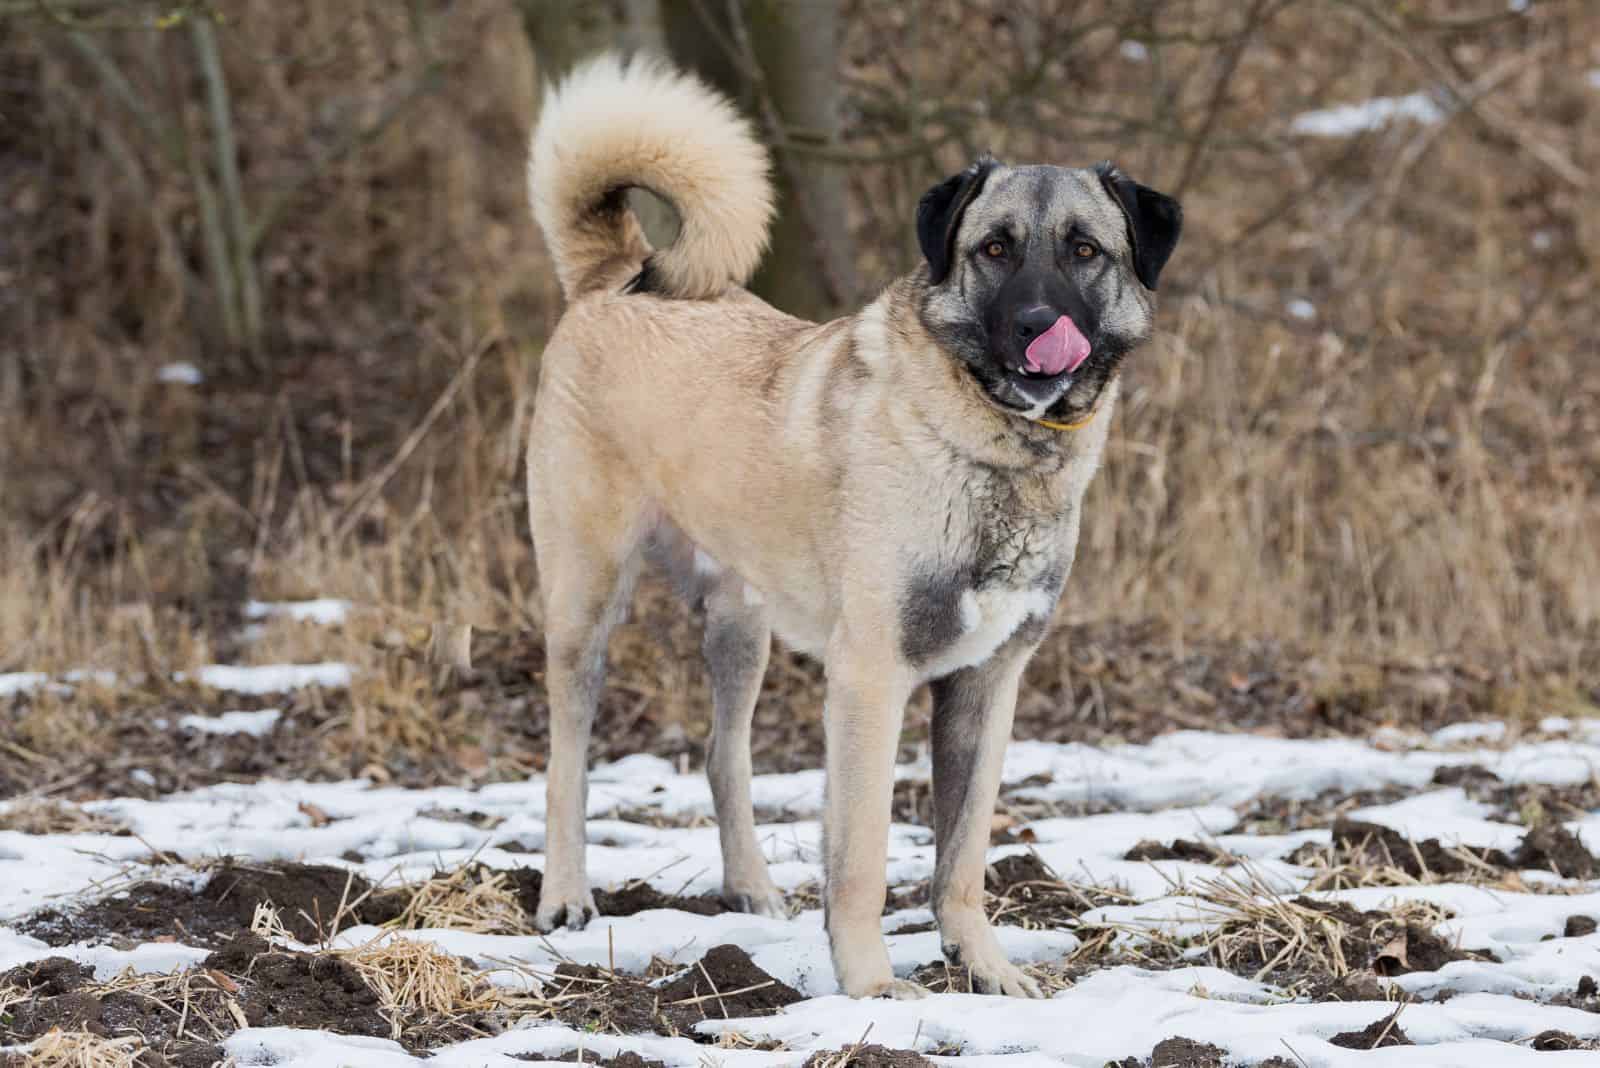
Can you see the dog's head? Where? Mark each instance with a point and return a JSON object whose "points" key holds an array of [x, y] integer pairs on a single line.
{"points": [[1040, 278]]}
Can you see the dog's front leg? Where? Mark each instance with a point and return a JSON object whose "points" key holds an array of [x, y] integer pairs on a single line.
{"points": [[972, 714], [864, 708]]}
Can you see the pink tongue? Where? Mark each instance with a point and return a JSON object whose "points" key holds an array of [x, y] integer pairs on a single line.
{"points": [[1060, 348]]}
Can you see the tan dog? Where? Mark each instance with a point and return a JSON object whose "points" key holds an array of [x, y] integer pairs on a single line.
{"points": [[896, 492]]}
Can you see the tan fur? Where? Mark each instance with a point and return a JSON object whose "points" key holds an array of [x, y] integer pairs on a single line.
{"points": [[801, 479], [696, 152]]}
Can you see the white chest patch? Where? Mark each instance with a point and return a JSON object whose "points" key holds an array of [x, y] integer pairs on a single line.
{"points": [[988, 619]]}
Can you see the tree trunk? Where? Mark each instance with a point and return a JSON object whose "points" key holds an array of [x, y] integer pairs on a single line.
{"points": [[564, 32], [810, 270]]}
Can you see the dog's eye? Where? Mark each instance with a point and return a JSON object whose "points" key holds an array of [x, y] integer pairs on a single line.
{"points": [[995, 250], [1085, 251]]}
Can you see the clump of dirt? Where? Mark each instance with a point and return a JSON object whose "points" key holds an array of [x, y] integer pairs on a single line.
{"points": [[627, 900], [624, 1059], [1477, 780], [278, 988], [1316, 945], [63, 994], [1178, 1053], [307, 896], [1560, 1041], [1579, 926], [1180, 849], [1585, 997], [723, 984], [873, 1056], [641, 897], [1379, 1034], [1551, 847], [1281, 815], [1370, 845], [1031, 895]]}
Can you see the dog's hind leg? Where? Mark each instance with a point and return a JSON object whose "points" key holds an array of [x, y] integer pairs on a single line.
{"points": [[738, 639], [587, 550]]}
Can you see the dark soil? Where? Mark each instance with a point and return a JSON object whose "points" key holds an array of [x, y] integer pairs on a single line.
{"points": [[1559, 1041], [1034, 896], [1177, 1053], [1280, 815], [1375, 942], [591, 998], [307, 896], [873, 1056], [631, 898], [1585, 997], [1181, 849], [1369, 845], [284, 989], [625, 1059], [1579, 926], [1551, 847], [61, 995], [735, 985], [1379, 1034]]}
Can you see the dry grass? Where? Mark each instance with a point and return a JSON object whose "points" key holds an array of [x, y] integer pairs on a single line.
{"points": [[471, 898], [82, 1049], [1403, 478], [45, 816]]}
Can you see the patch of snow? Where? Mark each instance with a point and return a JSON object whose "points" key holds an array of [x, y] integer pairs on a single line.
{"points": [[1134, 51], [328, 611], [1301, 308], [15, 682], [255, 723], [1541, 240], [1594, 78], [1457, 733], [271, 678], [1555, 725], [1349, 119], [180, 374], [1184, 785]]}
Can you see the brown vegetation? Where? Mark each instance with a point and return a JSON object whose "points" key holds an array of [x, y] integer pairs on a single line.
{"points": [[1404, 481]]}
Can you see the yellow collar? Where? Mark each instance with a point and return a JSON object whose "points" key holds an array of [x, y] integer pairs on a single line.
{"points": [[1079, 425]]}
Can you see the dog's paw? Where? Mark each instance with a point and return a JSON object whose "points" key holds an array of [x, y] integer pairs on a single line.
{"points": [[991, 973], [572, 911], [767, 901], [904, 990], [894, 989]]}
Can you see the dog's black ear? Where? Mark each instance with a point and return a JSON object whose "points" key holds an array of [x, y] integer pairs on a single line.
{"points": [[1154, 221], [939, 215]]}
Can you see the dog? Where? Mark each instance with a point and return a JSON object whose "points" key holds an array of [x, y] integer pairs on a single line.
{"points": [[897, 492]]}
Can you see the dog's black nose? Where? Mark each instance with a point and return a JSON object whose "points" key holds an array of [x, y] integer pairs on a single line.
{"points": [[1031, 322]]}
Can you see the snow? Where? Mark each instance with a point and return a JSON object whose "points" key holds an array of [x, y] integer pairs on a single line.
{"points": [[271, 678], [327, 611], [15, 682], [1192, 785], [255, 723], [1349, 119], [180, 374], [1594, 78], [1134, 51], [1301, 308], [1457, 733]]}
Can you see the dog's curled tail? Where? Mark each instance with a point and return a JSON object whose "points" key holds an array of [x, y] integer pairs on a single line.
{"points": [[616, 123]]}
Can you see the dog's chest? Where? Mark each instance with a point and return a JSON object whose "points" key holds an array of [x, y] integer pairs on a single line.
{"points": [[994, 571]]}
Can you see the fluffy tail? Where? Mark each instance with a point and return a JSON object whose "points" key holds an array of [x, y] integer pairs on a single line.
{"points": [[615, 123]]}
